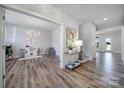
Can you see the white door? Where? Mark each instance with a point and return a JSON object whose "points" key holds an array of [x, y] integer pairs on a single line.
{"points": [[2, 48]]}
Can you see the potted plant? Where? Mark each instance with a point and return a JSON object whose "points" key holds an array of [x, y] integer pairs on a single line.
{"points": [[70, 48]]}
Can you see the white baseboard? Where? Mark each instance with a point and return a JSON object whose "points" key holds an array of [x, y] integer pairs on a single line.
{"points": [[85, 60], [32, 57], [109, 51], [123, 61]]}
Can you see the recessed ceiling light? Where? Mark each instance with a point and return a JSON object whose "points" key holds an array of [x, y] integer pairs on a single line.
{"points": [[105, 19]]}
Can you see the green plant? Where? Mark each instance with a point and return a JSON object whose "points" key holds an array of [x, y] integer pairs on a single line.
{"points": [[9, 50], [70, 48]]}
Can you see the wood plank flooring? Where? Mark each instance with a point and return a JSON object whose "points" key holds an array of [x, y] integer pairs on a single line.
{"points": [[106, 71]]}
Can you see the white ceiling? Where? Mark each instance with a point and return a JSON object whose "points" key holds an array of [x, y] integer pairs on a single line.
{"points": [[95, 13], [24, 20]]}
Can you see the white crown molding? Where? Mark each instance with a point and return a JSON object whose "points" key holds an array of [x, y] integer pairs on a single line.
{"points": [[113, 29]]}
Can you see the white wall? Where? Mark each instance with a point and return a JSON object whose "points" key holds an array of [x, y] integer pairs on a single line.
{"points": [[87, 33], [43, 39], [56, 40], [122, 43], [56, 45], [115, 37]]}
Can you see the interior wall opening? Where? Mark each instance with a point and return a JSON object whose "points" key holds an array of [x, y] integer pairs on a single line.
{"points": [[28, 38]]}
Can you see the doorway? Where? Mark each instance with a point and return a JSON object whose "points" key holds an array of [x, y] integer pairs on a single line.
{"points": [[13, 39], [109, 41]]}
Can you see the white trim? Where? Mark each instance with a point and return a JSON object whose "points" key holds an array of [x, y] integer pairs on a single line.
{"points": [[14, 8], [62, 64], [30, 13], [26, 58], [114, 29], [122, 44], [2, 48], [119, 52], [85, 60]]}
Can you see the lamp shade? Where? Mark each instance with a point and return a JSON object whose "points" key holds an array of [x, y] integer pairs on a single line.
{"points": [[78, 42]]}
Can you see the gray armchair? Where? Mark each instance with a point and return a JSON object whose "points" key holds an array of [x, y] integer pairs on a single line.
{"points": [[51, 51]]}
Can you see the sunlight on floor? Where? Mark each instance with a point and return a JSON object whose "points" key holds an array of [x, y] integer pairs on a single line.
{"points": [[108, 61]]}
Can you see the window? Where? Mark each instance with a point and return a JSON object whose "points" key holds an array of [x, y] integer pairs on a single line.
{"points": [[108, 44]]}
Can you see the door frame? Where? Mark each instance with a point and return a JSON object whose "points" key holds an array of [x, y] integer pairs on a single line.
{"points": [[122, 44], [3, 7], [2, 47]]}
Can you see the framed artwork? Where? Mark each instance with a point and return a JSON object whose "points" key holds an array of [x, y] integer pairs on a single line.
{"points": [[71, 36]]}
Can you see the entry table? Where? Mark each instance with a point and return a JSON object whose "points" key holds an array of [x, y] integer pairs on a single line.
{"points": [[74, 63]]}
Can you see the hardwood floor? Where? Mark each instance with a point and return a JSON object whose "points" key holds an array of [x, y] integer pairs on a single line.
{"points": [[106, 71]]}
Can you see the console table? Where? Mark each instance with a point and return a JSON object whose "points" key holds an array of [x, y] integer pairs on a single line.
{"points": [[74, 63]]}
